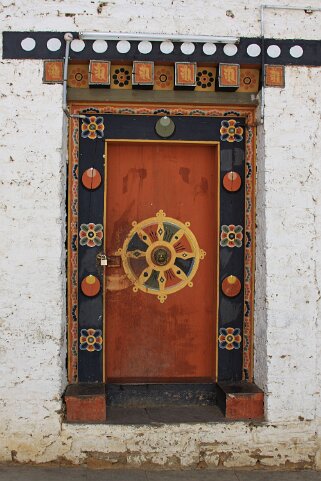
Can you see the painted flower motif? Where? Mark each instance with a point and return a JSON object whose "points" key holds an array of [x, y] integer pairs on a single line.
{"points": [[78, 76], [229, 338], [90, 340], [230, 132], [248, 80], [91, 235], [204, 78], [92, 127], [164, 78], [231, 235], [121, 77]]}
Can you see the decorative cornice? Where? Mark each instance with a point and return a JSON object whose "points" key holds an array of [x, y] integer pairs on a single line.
{"points": [[51, 45]]}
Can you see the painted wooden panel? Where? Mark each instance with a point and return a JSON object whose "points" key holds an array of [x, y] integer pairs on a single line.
{"points": [[150, 338]]}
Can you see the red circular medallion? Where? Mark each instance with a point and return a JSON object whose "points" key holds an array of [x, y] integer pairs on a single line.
{"points": [[232, 181], [231, 286], [91, 179], [90, 286]]}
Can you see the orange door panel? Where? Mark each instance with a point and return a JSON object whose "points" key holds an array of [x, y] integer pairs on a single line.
{"points": [[156, 333]]}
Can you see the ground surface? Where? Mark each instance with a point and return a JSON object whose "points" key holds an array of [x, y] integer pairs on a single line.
{"points": [[82, 474]]}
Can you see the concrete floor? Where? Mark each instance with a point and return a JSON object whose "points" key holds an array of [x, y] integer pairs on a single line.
{"points": [[19, 473]]}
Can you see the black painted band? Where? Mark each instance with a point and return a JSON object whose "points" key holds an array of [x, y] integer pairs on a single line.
{"points": [[311, 50]]}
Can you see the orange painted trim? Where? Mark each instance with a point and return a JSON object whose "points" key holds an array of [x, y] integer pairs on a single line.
{"points": [[105, 250], [68, 259], [253, 251], [183, 110], [72, 261]]}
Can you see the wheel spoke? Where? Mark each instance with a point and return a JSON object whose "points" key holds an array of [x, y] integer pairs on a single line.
{"points": [[160, 231], [185, 255], [144, 237], [180, 274], [177, 236], [162, 281], [136, 254], [145, 275]]}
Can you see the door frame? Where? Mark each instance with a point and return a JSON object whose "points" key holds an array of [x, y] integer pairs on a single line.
{"points": [[244, 113], [213, 143]]}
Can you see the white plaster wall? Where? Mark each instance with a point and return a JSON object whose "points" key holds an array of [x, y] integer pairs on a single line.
{"points": [[32, 207], [292, 172], [237, 17], [32, 310]]}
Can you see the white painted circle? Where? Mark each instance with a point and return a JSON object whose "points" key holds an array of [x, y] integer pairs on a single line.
{"points": [[123, 46], [209, 48], [53, 44], [296, 51], [166, 47], [77, 45], [145, 47], [230, 49], [253, 50], [187, 48], [28, 44], [100, 46], [273, 51]]}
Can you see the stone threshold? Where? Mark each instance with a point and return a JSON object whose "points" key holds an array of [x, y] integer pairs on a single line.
{"points": [[87, 403]]}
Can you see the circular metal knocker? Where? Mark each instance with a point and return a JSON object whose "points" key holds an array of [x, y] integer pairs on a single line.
{"points": [[161, 255]]}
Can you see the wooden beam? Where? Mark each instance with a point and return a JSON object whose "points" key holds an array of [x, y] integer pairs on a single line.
{"points": [[156, 96]]}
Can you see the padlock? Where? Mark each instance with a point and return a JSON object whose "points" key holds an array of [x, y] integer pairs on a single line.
{"points": [[103, 260]]}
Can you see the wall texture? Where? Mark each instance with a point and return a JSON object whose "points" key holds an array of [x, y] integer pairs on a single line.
{"points": [[32, 253]]}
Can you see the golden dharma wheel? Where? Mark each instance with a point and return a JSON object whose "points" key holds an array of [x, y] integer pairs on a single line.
{"points": [[161, 255]]}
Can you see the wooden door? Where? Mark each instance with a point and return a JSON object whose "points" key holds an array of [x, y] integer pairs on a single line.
{"points": [[152, 333]]}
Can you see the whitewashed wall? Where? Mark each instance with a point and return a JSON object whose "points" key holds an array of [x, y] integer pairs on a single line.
{"points": [[289, 186], [32, 259]]}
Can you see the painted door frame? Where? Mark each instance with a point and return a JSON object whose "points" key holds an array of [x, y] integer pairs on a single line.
{"points": [[80, 136]]}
